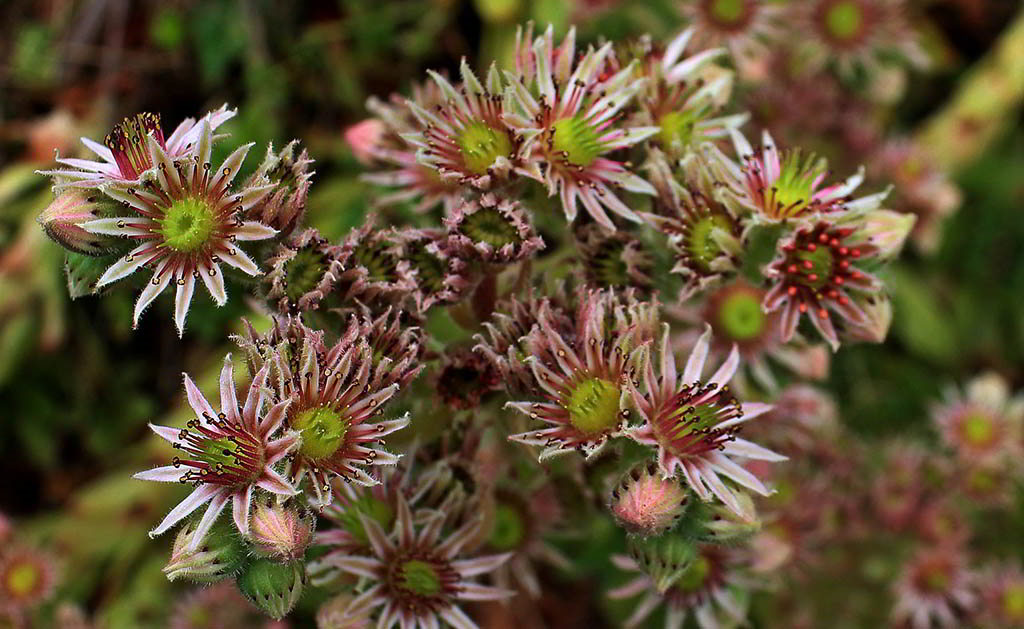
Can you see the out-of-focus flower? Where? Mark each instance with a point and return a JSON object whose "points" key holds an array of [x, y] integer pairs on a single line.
{"points": [[710, 590], [415, 573], [466, 138], [219, 606], [613, 260], [581, 376], [935, 590], [373, 269], [28, 577], [646, 503], [303, 272], [337, 613], [187, 219], [693, 422], [465, 378], [364, 138], [983, 423], [334, 393], [492, 230], [126, 154], [776, 186], [1002, 597], [226, 455], [744, 26], [567, 113], [285, 206]]}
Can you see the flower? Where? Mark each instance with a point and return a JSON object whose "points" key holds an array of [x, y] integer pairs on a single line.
{"points": [[303, 272], [284, 208], [466, 138], [682, 94], [581, 375], [744, 26], [125, 151], [439, 272], [568, 117], [693, 423], [27, 577], [776, 186], [373, 266], [416, 574], [613, 260], [816, 271], [934, 590], [221, 606], [226, 455], [703, 233], [187, 220], [334, 392], [646, 503], [1002, 595], [711, 590], [364, 138], [492, 230], [982, 424]]}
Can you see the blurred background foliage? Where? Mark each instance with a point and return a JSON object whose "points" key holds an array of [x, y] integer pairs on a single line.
{"points": [[77, 387]]}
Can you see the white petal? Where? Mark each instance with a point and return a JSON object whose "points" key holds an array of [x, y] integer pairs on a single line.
{"points": [[213, 277], [695, 364], [196, 499], [236, 258], [124, 266], [165, 474], [217, 504], [154, 287], [254, 230], [182, 300]]}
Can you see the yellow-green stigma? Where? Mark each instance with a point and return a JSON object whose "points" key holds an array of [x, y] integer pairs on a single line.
{"points": [[740, 316], [490, 226], [1013, 601], [844, 20], [695, 576], [700, 245], [793, 189], [303, 272], [323, 431], [22, 579], [594, 406], [728, 12], [577, 141], [817, 267], [676, 126], [978, 429], [430, 269], [187, 225], [419, 578], [509, 529], [481, 145], [219, 451]]}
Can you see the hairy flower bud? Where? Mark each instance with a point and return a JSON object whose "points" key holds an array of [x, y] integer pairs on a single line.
{"points": [[220, 555], [280, 531], [645, 503], [271, 586], [62, 221], [284, 207], [664, 558]]}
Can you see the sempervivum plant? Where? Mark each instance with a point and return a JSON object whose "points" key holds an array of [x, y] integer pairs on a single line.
{"points": [[414, 368]]}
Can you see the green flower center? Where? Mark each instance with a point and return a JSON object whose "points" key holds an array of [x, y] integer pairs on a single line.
{"points": [[303, 272], [187, 225], [677, 126], [323, 431], [509, 529], [819, 273], [378, 261], [594, 406], [1013, 601], [577, 141], [430, 269], [23, 579], [798, 174], [490, 226], [419, 577], [740, 316], [701, 246], [481, 145], [936, 579], [843, 20], [695, 576], [219, 451], [978, 429], [728, 12]]}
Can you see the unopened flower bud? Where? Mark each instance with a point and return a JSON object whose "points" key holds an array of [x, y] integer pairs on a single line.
{"points": [[363, 138], [220, 555], [726, 527], [340, 613], [62, 221], [280, 531], [644, 503], [283, 208], [271, 586], [664, 558]]}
